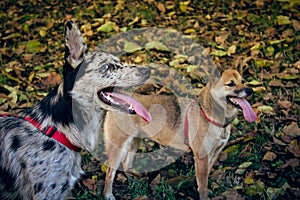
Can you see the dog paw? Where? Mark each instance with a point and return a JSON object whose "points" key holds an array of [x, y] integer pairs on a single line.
{"points": [[110, 197]]}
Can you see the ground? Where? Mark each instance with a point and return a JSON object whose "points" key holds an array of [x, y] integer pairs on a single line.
{"points": [[258, 38]]}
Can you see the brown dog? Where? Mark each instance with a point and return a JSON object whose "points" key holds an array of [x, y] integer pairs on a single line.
{"points": [[202, 125]]}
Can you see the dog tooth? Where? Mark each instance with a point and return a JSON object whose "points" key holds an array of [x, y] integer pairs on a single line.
{"points": [[131, 107]]}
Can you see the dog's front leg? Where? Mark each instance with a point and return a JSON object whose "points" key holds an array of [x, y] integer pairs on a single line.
{"points": [[202, 172]]}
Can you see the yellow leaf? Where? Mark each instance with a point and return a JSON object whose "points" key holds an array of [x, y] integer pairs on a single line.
{"points": [[245, 165], [43, 32], [254, 83], [184, 5], [131, 47], [266, 109], [107, 27], [104, 166], [259, 89], [264, 63], [283, 20], [249, 179], [231, 50]]}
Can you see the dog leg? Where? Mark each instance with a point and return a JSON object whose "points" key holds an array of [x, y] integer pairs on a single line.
{"points": [[115, 155], [128, 160], [202, 172]]}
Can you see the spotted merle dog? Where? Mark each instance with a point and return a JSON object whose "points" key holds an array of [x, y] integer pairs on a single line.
{"points": [[39, 147]]}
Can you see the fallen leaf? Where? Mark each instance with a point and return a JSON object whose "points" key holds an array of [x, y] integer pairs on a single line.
{"points": [[284, 104], [269, 156], [121, 178], [156, 45], [184, 5], [266, 110], [107, 27], [231, 50], [34, 46], [219, 53], [282, 20], [291, 162], [221, 38], [292, 130], [249, 179], [275, 83], [264, 63], [161, 8], [131, 47], [293, 147], [245, 165], [296, 25], [254, 83], [89, 183]]}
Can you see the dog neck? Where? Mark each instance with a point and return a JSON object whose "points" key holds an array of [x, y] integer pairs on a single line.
{"points": [[80, 124], [213, 111]]}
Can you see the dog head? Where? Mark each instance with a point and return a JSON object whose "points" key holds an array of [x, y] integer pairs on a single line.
{"points": [[90, 78], [230, 92]]}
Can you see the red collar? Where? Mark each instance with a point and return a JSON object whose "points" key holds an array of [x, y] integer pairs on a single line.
{"points": [[186, 123], [52, 132], [212, 121]]}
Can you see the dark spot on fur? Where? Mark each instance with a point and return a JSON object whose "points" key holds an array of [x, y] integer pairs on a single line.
{"points": [[65, 186], [53, 186], [7, 180], [62, 149], [69, 25], [38, 187], [15, 143], [23, 165], [34, 164], [49, 145], [41, 162]]}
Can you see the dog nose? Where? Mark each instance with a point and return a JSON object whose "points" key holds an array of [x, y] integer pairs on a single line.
{"points": [[248, 91]]}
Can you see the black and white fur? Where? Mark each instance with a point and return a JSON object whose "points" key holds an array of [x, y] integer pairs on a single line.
{"points": [[34, 166]]}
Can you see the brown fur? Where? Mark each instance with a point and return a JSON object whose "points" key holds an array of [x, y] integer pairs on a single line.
{"points": [[122, 134]]}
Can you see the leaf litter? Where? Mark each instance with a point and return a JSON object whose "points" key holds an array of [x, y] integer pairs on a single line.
{"points": [[258, 38]]}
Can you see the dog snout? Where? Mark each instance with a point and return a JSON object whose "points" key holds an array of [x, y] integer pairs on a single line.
{"points": [[248, 91]]}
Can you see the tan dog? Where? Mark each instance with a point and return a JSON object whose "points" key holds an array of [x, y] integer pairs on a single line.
{"points": [[204, 122]]}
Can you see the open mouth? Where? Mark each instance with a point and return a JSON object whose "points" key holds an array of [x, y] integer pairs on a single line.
{"points": [[232, 101], [123, 102], [244, 105]]}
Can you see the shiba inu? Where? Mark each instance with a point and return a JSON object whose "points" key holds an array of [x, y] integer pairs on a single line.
{"points": [[201, 125]]}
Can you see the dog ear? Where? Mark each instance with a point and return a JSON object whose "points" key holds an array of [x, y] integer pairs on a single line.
{"points": [[214, 75], [75, 47]]}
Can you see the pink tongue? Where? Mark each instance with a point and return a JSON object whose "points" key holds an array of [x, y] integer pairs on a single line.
{"points": [[248, 112], [138, 107]]}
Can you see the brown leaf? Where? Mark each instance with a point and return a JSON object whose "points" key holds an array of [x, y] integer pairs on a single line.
{"points": [[142, 198], [121, 178], [89, 183], [292, 130], [292, 162], [294, 148], [269, 156], [296, 25], [276, 83], [221, 38], [285, 104], [161, 8], [51, 80], [233, 195]]}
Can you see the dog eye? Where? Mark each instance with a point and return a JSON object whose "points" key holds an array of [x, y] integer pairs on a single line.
{"points": [[231, 84], [106, 67]]}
